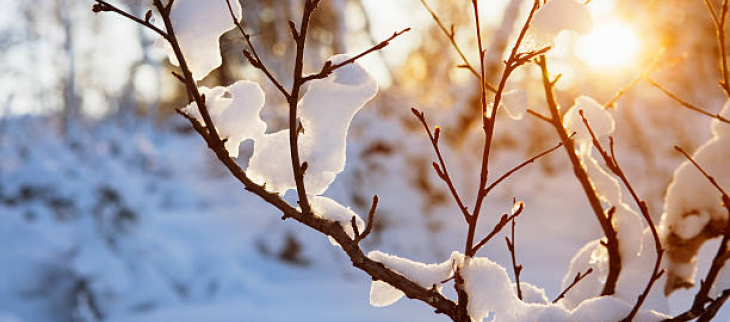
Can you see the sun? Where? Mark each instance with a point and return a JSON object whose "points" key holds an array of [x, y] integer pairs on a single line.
{"points": [[609, 46]]}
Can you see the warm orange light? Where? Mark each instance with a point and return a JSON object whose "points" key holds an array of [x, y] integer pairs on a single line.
{"points": [[608, 46]]}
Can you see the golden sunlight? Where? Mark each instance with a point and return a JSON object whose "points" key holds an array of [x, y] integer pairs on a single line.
{"points": [[608, 46]]}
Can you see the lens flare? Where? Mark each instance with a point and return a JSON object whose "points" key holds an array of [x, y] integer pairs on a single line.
{"points": [[609, 46]]}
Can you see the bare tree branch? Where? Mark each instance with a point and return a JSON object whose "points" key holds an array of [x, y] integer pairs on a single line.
{"points": [[613, 165], [503, 221], [520, 166], [517, 269], [103, 6], [440, 168], [578, 277], [369, 225], [254, 59], [329, 67], [451, 35], [612, 243], [687, 104], [721, 256]]}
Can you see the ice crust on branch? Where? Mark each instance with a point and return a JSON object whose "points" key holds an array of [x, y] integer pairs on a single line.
{"points": [[693, 210], [198, 24], [558, 15], [325, 112], [425, 275], [235, 112]]}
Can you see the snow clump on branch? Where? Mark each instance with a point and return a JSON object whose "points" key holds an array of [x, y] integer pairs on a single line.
{"points": [[693, 211], [198, 24]]}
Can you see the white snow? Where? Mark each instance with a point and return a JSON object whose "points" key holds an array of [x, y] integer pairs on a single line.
{"points": [[234, 111], [692, 202], [558, 15], [326, 110], [333, 211], [691, 225], [483, 279], [490, 291], [600, 120], [425, 275], [198, 24]]}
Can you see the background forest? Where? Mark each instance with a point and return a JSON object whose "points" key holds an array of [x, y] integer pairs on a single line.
{"points": [[112, 209]]}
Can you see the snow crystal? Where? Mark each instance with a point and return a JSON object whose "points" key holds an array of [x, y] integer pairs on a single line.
{"points": [[198, 25], [326, 111], [515, 104], [333, 211], [425, 275], [234, 111], [558, 15]]}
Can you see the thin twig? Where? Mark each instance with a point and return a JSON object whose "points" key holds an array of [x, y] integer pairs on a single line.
{"points": [[440, 168], [578, 277], [503, 221], [300, 38], [517, 269], [451, 35], [374, 269], [613, 165], [704, 173], [522, 165], [714, 307], [514, 61], [612, 242], [686, 104], [720, 20], [329, 67], [371, 221], [255, 60], [650, 68], [102, 6], [539, 116], [721, 256]]}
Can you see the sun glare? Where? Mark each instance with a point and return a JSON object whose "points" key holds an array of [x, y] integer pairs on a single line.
{"points": [[608, 46]]}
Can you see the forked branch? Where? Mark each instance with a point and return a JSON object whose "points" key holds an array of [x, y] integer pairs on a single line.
{"points": [[613, 166], [334, 229], [612, 243], [440, 168]]}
